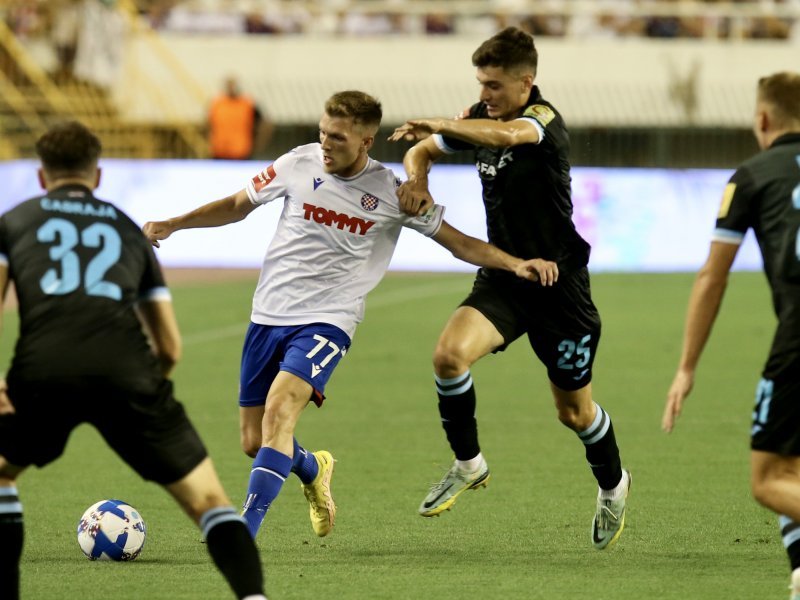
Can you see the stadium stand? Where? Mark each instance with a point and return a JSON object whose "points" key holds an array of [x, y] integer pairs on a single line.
{"points": [[671, 89]]}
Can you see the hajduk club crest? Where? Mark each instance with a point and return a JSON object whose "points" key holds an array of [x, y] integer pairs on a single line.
{"points": [[369, 202]]}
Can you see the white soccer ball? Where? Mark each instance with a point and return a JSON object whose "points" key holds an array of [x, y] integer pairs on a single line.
{"points": [[111, 530]]}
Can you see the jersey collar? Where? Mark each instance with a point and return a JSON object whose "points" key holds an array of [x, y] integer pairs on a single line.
{"points": [[357, 175], [71, 187], [787, 138]]}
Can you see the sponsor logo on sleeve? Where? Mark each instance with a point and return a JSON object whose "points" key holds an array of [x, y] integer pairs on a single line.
{"points": [[264, 178], [428, 215], [543, 114], [727, 198]]}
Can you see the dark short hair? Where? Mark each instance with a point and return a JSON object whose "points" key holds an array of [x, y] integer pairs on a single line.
{"points": [[782, 92], [362, 108], [510, 49], [68, 147]]}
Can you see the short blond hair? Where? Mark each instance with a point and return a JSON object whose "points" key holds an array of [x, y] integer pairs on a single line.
{"points": [[365, 110]]}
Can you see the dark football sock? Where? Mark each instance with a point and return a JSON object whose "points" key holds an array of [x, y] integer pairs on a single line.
{"points": [[233, 550], [601, 450], [457, 409], [11, 539]]}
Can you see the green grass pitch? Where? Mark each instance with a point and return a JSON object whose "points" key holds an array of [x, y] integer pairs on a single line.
{"points": [[693, 532]]}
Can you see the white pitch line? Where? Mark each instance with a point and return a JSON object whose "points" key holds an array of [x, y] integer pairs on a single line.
{"points": [[398, 296], [418, 292], [212, 335]]}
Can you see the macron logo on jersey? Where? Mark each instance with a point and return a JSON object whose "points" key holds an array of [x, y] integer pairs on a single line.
{"points": [[262, 180], [318, 181], [330, 218]]}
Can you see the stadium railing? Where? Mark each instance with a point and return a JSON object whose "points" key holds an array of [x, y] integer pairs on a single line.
{"points": [[32, 98]]}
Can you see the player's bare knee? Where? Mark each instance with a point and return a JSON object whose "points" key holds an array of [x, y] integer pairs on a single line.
{"points": [[570, 416], [761, 482], [282, 411], [762, 494], [448, 361], [276, 414]]}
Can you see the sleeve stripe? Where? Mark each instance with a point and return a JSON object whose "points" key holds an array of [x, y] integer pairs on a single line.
{"points": [[727, 236], [3, 259], [157, 294], [252, 195], [439, 225], [536, 124], [442, 145]]}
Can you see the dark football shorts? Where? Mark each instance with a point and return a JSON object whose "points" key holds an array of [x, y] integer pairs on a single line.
{"points": [[150, 432], [776, 416], [562, 323]]}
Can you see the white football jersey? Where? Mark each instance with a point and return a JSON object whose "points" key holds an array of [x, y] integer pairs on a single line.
{"points": [[334, 239]]}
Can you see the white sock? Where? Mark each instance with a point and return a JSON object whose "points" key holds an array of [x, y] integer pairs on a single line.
{"points": [[619, 491], [471, 465], [796, 580], [255, 597]]}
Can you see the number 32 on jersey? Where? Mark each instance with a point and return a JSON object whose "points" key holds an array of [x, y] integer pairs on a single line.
{"points": [[68, 273]]}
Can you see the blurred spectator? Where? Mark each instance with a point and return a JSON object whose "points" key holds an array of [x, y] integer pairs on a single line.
{"points": [[769, 28], [66, 16], [550, 25], [155, 12], [663, 27], [609, 19], [237, 129], [355, 23], [731, 19], [438, 23], [100, 43], [256, 23], [24, 17], [190, 18]]}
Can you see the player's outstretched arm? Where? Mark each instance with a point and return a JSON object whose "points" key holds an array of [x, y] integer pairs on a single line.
{"points": [[481, 132], [704, 302], [415, 198], [478, 252], [214, 214]]}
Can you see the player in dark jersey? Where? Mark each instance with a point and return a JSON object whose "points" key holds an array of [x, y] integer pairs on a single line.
{"points": [[90, 294], [763, 194], [521, 151]]}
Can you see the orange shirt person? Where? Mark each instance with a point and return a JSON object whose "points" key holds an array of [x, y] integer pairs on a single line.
{"points": [[233, 122]]}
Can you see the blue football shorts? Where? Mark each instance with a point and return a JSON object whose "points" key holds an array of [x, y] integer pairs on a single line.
{"points": [[311, 352]]}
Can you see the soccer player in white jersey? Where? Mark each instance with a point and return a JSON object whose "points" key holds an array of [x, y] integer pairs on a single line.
{"points": [[335, 237]]}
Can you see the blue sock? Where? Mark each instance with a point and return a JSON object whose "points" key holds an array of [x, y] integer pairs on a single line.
{"points": [[304, 464], [270, 470]]}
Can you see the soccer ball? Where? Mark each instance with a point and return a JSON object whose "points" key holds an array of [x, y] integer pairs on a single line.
{"points": [[111, 530]]}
